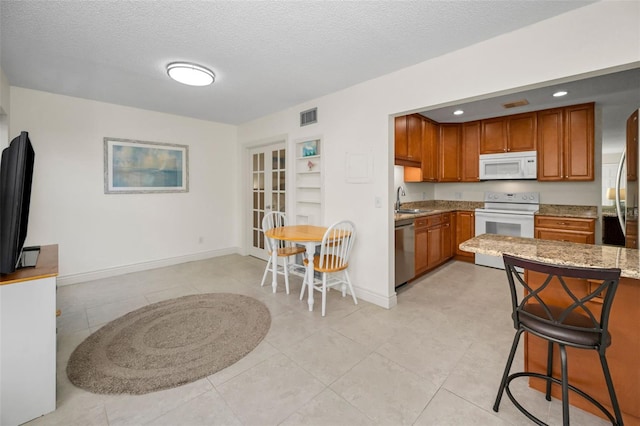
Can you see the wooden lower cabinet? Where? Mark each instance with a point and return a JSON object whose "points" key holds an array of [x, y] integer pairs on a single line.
{"points": [[433, 241], [421, 243], [465, 228], [585, 370], [575, 230]]}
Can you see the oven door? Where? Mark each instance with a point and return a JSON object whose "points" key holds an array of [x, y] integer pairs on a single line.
{"points": [[501, 223]]}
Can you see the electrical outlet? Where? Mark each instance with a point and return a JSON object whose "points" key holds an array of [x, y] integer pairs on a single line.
{"points": [[200, 240], [424, 195], [458, 195], [378, 202]]}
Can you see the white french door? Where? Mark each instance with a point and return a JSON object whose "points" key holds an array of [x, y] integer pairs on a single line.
{"points": [[267, 186]]}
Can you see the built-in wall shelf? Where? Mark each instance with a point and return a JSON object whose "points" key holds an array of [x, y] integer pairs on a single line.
{"points": [[309, 182]]}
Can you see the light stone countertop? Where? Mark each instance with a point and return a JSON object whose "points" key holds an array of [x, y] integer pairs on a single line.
{"points": [[436, 207], [558, 252], [586, 212]]}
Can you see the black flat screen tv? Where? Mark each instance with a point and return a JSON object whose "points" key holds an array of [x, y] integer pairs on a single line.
{"points": [[16, 175]]}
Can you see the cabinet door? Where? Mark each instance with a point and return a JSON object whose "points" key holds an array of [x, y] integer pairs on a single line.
{"points": [[429, 151], [434, 246], [578, 144], [470, 152], [465, 229], [521, 132], [447, 249], [550, 145], [421, 250], [493, 139], [449, 153], [414, 138], [400, 147]]}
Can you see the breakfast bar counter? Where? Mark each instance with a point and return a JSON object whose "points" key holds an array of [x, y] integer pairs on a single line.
{"points": [[558, 252], [584, 366]]}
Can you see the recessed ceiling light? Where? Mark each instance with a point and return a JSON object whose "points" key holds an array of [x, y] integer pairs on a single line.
{"points": [[458, 112], [559, 94], [191, 74]]}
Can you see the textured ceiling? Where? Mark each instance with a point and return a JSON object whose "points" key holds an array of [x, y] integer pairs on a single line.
{"points": [[267, 55]]}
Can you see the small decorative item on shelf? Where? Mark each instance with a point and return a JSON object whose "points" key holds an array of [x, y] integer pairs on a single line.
{"points": [[309, 148], [310, 165]]}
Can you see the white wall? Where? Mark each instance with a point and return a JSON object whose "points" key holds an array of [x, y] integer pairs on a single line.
{"points": [[589, 39], [4, 109], [102, 234]]}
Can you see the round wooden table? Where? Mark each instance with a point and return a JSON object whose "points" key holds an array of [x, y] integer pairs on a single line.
{"points": [[310, 236]]}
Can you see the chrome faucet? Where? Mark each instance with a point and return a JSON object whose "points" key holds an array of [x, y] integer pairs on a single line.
{"points": [[399, 192]]}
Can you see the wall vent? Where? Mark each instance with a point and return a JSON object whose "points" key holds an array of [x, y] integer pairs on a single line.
{"points": [[514, 104], [309, 116]]}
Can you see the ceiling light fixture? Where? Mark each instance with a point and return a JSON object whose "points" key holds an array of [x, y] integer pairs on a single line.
{"points": [[458, 112], [191, 74], [560, 93]]}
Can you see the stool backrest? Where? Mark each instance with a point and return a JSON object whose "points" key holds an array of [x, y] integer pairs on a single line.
{"points": [[566, 291]]}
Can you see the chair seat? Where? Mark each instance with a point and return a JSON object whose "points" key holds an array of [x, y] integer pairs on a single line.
{"points": [[289, 251], [329, 260], [540, 324]]}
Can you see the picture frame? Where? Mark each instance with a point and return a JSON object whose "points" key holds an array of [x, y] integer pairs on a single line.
{"points": [[137, 167], [310, 148]]}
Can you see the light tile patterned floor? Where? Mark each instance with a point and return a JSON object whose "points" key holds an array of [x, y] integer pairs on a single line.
{"points": [[435, 359]]}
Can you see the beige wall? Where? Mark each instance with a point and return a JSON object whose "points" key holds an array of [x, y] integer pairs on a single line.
{"points": [[100, 234], [4, 109]]}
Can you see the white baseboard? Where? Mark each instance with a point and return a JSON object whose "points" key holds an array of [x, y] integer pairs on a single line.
{"points": [[377, 299], [144, 266]]}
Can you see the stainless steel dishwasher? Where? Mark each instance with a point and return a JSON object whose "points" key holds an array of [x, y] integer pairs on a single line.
{"points": [[405, 251]]}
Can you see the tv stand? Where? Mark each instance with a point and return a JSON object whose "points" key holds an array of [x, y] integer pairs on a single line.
{"points": [[28, 340], [29, 257]]}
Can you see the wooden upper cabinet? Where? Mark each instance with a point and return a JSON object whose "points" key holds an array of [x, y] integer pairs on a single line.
{"points": [[566, 143], [493, 138], [430, 139], [449, 170], [632, 147], [521, 132], [408, 140], [513, 133], [470, 152], [550, 144]]}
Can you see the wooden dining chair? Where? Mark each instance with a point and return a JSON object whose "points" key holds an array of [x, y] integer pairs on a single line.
{"points": [[284, 249], [333, 261]]}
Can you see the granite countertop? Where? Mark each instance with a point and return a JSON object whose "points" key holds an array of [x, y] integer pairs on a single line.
{"points": [[436, 207], [586, 212], [558, 252]]}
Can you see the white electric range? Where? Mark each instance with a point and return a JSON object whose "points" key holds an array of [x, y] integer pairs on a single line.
{"points": [[506, 213]]}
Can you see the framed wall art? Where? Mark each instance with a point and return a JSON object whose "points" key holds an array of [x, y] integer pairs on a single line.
{"points": [[133, 167]]}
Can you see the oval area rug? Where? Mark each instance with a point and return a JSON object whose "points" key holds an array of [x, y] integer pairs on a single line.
{"points": [[169, 343]]}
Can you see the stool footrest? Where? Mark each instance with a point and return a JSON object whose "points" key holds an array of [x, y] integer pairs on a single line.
{"points": [[558, 382]]}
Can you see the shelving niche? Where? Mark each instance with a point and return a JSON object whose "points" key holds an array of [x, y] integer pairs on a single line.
{"points": [[309, 182]]}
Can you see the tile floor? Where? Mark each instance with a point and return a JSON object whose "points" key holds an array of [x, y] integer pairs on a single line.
{"points": [[435, 359]]}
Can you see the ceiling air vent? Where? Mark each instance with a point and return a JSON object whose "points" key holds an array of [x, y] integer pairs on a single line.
{"points": [[514, 104], [309, 116]]}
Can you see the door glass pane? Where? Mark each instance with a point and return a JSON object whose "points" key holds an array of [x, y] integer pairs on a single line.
{"points": [[267, 180], [257, 198]]}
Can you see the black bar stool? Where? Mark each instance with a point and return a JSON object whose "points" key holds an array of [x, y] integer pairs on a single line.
{"points": [[573, 323]]}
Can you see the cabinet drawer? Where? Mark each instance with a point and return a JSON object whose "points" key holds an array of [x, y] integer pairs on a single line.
{"points": [[438, 219], [569, 236], [420, 222], [561, 223]]}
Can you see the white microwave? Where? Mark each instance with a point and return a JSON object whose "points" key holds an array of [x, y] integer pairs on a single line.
{"points": [[510, 165]]}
